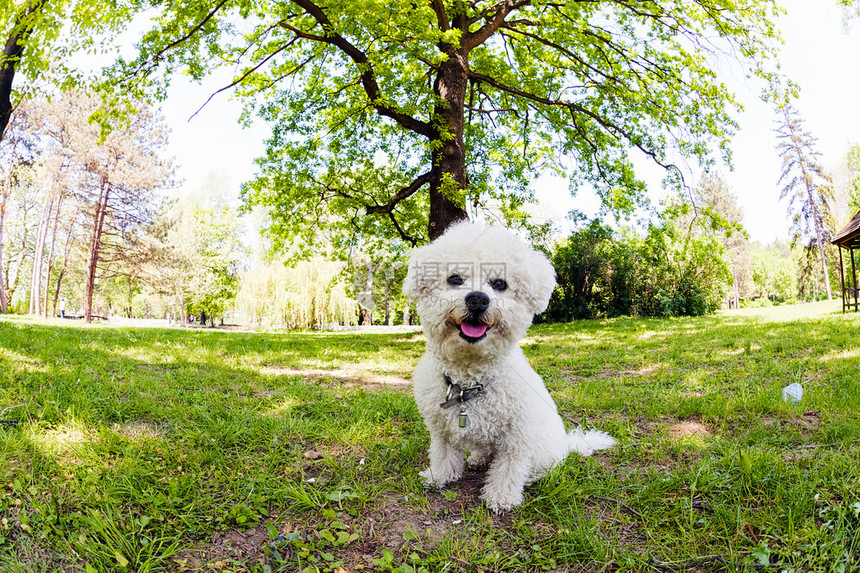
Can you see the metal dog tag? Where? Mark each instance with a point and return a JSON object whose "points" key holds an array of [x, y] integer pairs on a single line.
{"points": [[464, 419]]}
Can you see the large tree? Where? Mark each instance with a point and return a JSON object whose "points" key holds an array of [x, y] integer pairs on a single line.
{"points": [[419, 112], [806, 185]]}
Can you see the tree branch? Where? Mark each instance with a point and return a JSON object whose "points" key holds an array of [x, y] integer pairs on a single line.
{"points": [[240, 79], [413, 241], [170, 46], [404, 193], [368, 76], [502, 9], [441, 16], [574, 108], [561, 49]]}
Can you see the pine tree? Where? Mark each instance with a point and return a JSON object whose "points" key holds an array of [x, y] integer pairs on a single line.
{"points": [[806, 185]]}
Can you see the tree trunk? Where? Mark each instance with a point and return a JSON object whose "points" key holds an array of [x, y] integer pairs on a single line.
{"points": [[366, 298], [5, 195], [183, 314], [95, 246], [735, 296], [11, 283], [11, 55], [818, 235], [824, 267], [130, 297], [57, 290], [387, 303], [66, 250], [39, 257], [389, 278], [51, 252], [449, 180]]}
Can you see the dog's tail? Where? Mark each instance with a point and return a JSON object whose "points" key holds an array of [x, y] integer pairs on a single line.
{"points": [[586, 443]]}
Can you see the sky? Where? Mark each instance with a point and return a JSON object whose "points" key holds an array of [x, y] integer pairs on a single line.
{"points": [[819, 55]]}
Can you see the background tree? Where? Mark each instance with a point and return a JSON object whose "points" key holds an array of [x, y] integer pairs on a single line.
{"points": [[721, 217], [851, 189], [16, 156], [65, 186], [198, 253], [774, 274], [36, 52], [584, 266], [673, 269], [806, 185], [376, 270], [853, 162], [19, 229], [306, 294], [218, 253], [419, 112], [118, 182]]}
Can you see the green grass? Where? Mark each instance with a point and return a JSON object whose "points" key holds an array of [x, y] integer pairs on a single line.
{"points": [[197, 450]]}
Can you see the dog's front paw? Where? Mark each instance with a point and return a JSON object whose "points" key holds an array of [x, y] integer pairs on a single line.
{"points": [[501, 501], [437, 479]]}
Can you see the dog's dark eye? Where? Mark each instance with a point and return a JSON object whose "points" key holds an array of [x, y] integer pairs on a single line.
{"points": [[455, 280], [499, 285]]}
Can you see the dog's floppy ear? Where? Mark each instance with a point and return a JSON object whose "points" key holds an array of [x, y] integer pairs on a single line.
{"points": [[539, 280], [417, 282]]}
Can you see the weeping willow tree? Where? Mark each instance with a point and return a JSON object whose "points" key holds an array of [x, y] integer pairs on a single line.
{"points": [[307, 295]]}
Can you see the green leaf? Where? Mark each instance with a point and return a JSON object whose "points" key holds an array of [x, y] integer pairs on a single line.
{"points": [[761, 554], [328, 514]]}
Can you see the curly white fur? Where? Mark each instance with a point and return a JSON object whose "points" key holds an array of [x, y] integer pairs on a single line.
{"points": [[513, 423]]}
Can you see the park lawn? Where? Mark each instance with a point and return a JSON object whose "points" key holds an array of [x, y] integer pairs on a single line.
{"points": [[129, 449]]}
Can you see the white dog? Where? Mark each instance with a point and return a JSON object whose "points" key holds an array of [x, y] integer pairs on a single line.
{"points": [[477, 289]]}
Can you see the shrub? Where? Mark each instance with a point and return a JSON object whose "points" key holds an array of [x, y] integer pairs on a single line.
{"points": [[665, 273]]}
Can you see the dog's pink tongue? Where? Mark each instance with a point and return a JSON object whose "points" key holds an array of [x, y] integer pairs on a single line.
{"points": [[473, 330]]}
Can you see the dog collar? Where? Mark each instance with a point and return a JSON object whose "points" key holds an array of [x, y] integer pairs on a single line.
{"points": [[458, 394]]}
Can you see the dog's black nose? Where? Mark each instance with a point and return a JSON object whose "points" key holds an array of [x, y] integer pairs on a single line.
{"points": [[476, 301]]}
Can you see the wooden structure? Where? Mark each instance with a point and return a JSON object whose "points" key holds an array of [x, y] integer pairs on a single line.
{"points": [[848, 238]]}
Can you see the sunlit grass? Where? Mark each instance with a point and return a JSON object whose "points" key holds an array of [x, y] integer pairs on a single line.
{"points": [[133, 449]]}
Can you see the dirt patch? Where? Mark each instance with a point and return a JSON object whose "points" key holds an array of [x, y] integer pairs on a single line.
{"points": [[686, 428], [225, 547], [647, 426], [809, 421], [347, 377], [394, 525]]}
